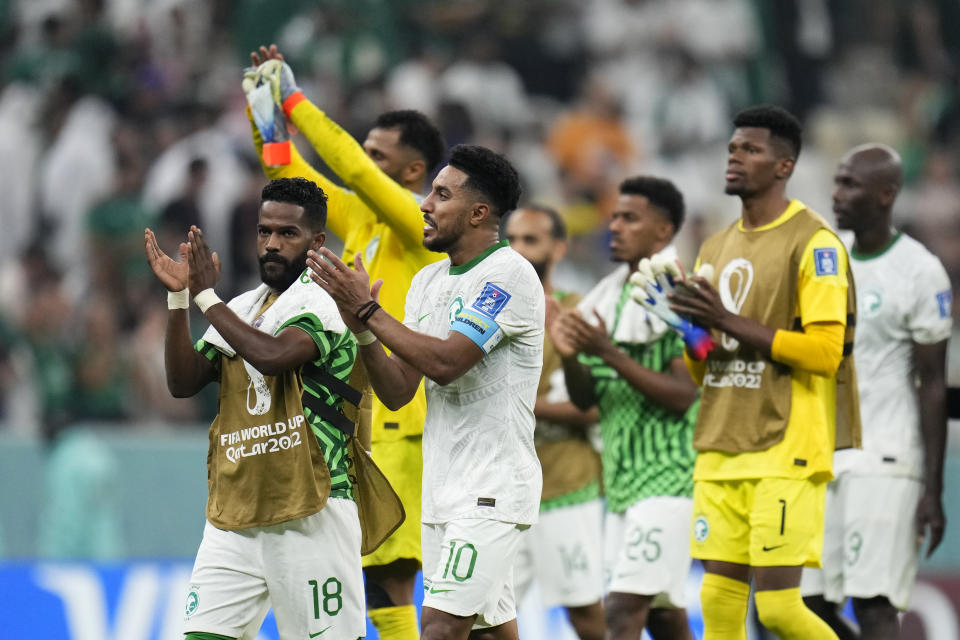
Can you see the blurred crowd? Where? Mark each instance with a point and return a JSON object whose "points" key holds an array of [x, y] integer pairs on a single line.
{"points": [[116, 115]]}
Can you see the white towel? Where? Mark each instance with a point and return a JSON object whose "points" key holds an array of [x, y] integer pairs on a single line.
{"points": [[303, 297], [636, 326]]}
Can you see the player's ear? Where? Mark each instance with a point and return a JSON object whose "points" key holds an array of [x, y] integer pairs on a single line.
{"points": [[414, 171], [479, 212], [559, 250], [785, 167], [887, 195], [319, 237]]}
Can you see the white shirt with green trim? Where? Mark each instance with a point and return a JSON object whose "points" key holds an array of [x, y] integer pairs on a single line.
{"points": [[479, 459], [903, 297]]}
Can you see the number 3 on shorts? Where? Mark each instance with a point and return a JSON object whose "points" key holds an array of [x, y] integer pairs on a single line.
{"points": [[332, 600]]}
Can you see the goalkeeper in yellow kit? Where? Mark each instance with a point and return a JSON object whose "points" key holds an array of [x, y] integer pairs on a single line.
{"points": [[377, 215]]}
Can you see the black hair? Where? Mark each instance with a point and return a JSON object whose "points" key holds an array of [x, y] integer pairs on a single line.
{"points": [[490, 174], [661, 193], [778, 121], [301, 192], [416, 132], [558, 228]]}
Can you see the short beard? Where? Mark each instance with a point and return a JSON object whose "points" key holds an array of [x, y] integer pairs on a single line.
{"points": [[735, 191], [288, 276], [541, 268], [444, 243]]}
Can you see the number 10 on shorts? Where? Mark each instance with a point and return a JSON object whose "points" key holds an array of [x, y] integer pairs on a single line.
{"points": [[461, 561]]}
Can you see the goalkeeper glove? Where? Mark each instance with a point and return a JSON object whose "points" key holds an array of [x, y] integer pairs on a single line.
{"points": [[282, 75], [262, 88], [652, 282]]}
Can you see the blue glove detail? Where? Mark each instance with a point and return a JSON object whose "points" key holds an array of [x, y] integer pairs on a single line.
{"points": [[652, 282]]}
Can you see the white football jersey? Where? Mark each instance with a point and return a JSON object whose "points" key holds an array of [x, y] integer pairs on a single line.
{"points": [[479, 459], [903, 297]]}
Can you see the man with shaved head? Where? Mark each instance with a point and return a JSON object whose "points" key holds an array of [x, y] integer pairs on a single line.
{"points": [[886, 497]]}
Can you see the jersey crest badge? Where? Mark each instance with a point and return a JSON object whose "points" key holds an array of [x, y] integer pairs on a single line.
{"points": [[825, 261], [491, 300], [701, 529]]}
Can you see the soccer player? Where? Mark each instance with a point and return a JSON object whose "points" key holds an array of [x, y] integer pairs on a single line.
{"points": [[632, 369], [378, 215], [561, 551], [774, 389], [282, 527], [888, 493], [474, 329]]}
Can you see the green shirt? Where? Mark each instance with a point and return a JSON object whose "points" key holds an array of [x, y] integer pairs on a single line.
{"points": [[647, 448]]}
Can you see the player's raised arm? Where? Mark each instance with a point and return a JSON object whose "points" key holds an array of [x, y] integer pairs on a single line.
{"points": [[269, 354], [187, 371], [393, 162], [393, 203], [345, 206]]}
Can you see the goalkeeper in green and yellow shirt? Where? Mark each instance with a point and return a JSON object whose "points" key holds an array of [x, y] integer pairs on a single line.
{"points": [[377, 215]]}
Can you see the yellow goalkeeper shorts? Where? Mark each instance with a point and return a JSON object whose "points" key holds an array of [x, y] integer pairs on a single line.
{"points": [[764, 522]]}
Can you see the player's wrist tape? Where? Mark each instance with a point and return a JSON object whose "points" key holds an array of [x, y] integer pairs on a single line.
{"points": [[206, 299], [365, 337], [276, 153], [178, 299], [292, 100], [366, 311]]}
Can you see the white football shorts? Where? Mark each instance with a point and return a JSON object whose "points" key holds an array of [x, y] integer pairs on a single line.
{"points": [[308, 569], [647, 549], [468, 568], [563, 553], [870, 543]]}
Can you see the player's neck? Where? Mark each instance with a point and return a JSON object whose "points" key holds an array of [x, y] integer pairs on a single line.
{"points": [[763, 208], [470, 246], [873, 240], [547, 286]]}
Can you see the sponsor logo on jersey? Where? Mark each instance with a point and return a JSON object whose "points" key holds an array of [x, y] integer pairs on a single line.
{"points": [[734, 285], [491, 300], [944, 302], [825, 261]]}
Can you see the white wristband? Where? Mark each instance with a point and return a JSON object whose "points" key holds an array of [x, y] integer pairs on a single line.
{"points": [[365, 337], [206, 299], [178, 299]]}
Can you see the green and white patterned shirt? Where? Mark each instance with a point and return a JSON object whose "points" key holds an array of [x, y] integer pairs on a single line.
{"points": [[647, 448]]}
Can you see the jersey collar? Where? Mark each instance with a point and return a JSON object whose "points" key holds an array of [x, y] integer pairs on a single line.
{"points": [[466, 266], [792, 209]]}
